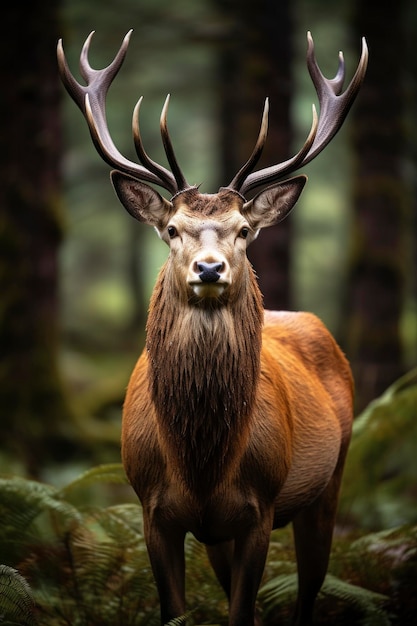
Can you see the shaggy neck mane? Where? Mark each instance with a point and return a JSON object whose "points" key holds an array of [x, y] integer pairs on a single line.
{"points": [[203, 372]]}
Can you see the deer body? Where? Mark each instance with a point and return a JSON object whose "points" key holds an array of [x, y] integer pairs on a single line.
{"points": [[281, 456], [236, 420]]}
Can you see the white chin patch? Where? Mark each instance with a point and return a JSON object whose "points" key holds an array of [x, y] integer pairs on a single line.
{"points": [[208, 290]]}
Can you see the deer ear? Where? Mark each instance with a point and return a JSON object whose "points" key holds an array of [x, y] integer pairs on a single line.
{"points": [[274, 203], [141, 201]]}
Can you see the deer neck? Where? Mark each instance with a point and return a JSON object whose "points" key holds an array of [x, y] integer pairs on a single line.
{"points": [[203, 373]]}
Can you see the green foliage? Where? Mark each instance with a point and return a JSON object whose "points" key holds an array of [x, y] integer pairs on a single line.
{"points": [[89, 565], [386, 562], [84, 565], [112, 473], [342, 602], [378, 490], [16, 600], [180, 621]]}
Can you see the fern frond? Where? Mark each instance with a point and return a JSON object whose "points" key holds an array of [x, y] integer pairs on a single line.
{"points": [[23, 500], [384, 560], [29, 510], [181, 620], [369, 605], [122, 520], [381, 467], [280, 589], [16, 599], [278, 597], [106, 473]]}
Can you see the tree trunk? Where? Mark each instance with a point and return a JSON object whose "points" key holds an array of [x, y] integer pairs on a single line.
{"points": [[380, 203], [255, 62], [33, 410]]}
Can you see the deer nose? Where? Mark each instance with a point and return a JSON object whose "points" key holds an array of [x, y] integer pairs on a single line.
{"points": [[209, 272]]}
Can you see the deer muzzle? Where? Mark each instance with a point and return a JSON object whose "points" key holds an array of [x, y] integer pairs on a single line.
{"points": [[208, 279]]}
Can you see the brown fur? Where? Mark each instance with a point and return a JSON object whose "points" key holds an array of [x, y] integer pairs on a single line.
{"points": [[204, 386], [208, 205], [236, 420]]}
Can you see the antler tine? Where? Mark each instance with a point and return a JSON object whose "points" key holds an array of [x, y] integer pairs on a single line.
{"points": [[91, 99], [98, 81], [242, 174], [169, 150], [275, 172], [151, 165], [88, 73], [319, 81], [334, 107]]}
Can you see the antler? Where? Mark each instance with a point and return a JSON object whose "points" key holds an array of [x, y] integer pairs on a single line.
{"points": [[91, 99], [334, 107]]}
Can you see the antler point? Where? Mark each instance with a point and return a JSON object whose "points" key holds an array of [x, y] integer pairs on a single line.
{"points": [[310, 44], [164, 111], [85, 50], [364, 47]]}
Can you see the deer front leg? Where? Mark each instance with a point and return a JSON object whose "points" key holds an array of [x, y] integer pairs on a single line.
{"points": [[248, 563], [221, 557], [165, 544]]}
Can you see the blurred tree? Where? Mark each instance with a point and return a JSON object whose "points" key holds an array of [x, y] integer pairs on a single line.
{"points": [[410, 325], [32, 404], [255, 61], [380, 204]]}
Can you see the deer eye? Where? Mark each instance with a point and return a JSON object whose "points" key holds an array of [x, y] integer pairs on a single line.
{"points": [[172, 232], [244, 232]]}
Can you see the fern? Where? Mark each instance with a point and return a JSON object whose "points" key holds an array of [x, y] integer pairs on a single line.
{"points": [[369, 605], [89, 565], [346, 603], [180, 621], [16, 600], [381, 468], [85, 565], [106, 562], [387, 561], [28, 510], [108, 473]]}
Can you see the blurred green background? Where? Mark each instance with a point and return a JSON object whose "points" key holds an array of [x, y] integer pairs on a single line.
{"points": [[76, 271]]}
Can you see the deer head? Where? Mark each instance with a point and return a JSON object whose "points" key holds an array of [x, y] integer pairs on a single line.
{"points": [[191, 223]]}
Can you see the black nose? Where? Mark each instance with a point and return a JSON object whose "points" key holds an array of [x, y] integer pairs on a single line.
{"points": [[209, 272]]}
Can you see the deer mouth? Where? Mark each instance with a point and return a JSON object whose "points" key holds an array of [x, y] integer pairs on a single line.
{"points": [[208, 289]]}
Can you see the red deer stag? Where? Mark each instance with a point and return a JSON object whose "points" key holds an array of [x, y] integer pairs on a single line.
{"points": [[236, 420]]}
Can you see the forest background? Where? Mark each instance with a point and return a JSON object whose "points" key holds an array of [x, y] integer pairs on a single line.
{"points": [[76, 271]]}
